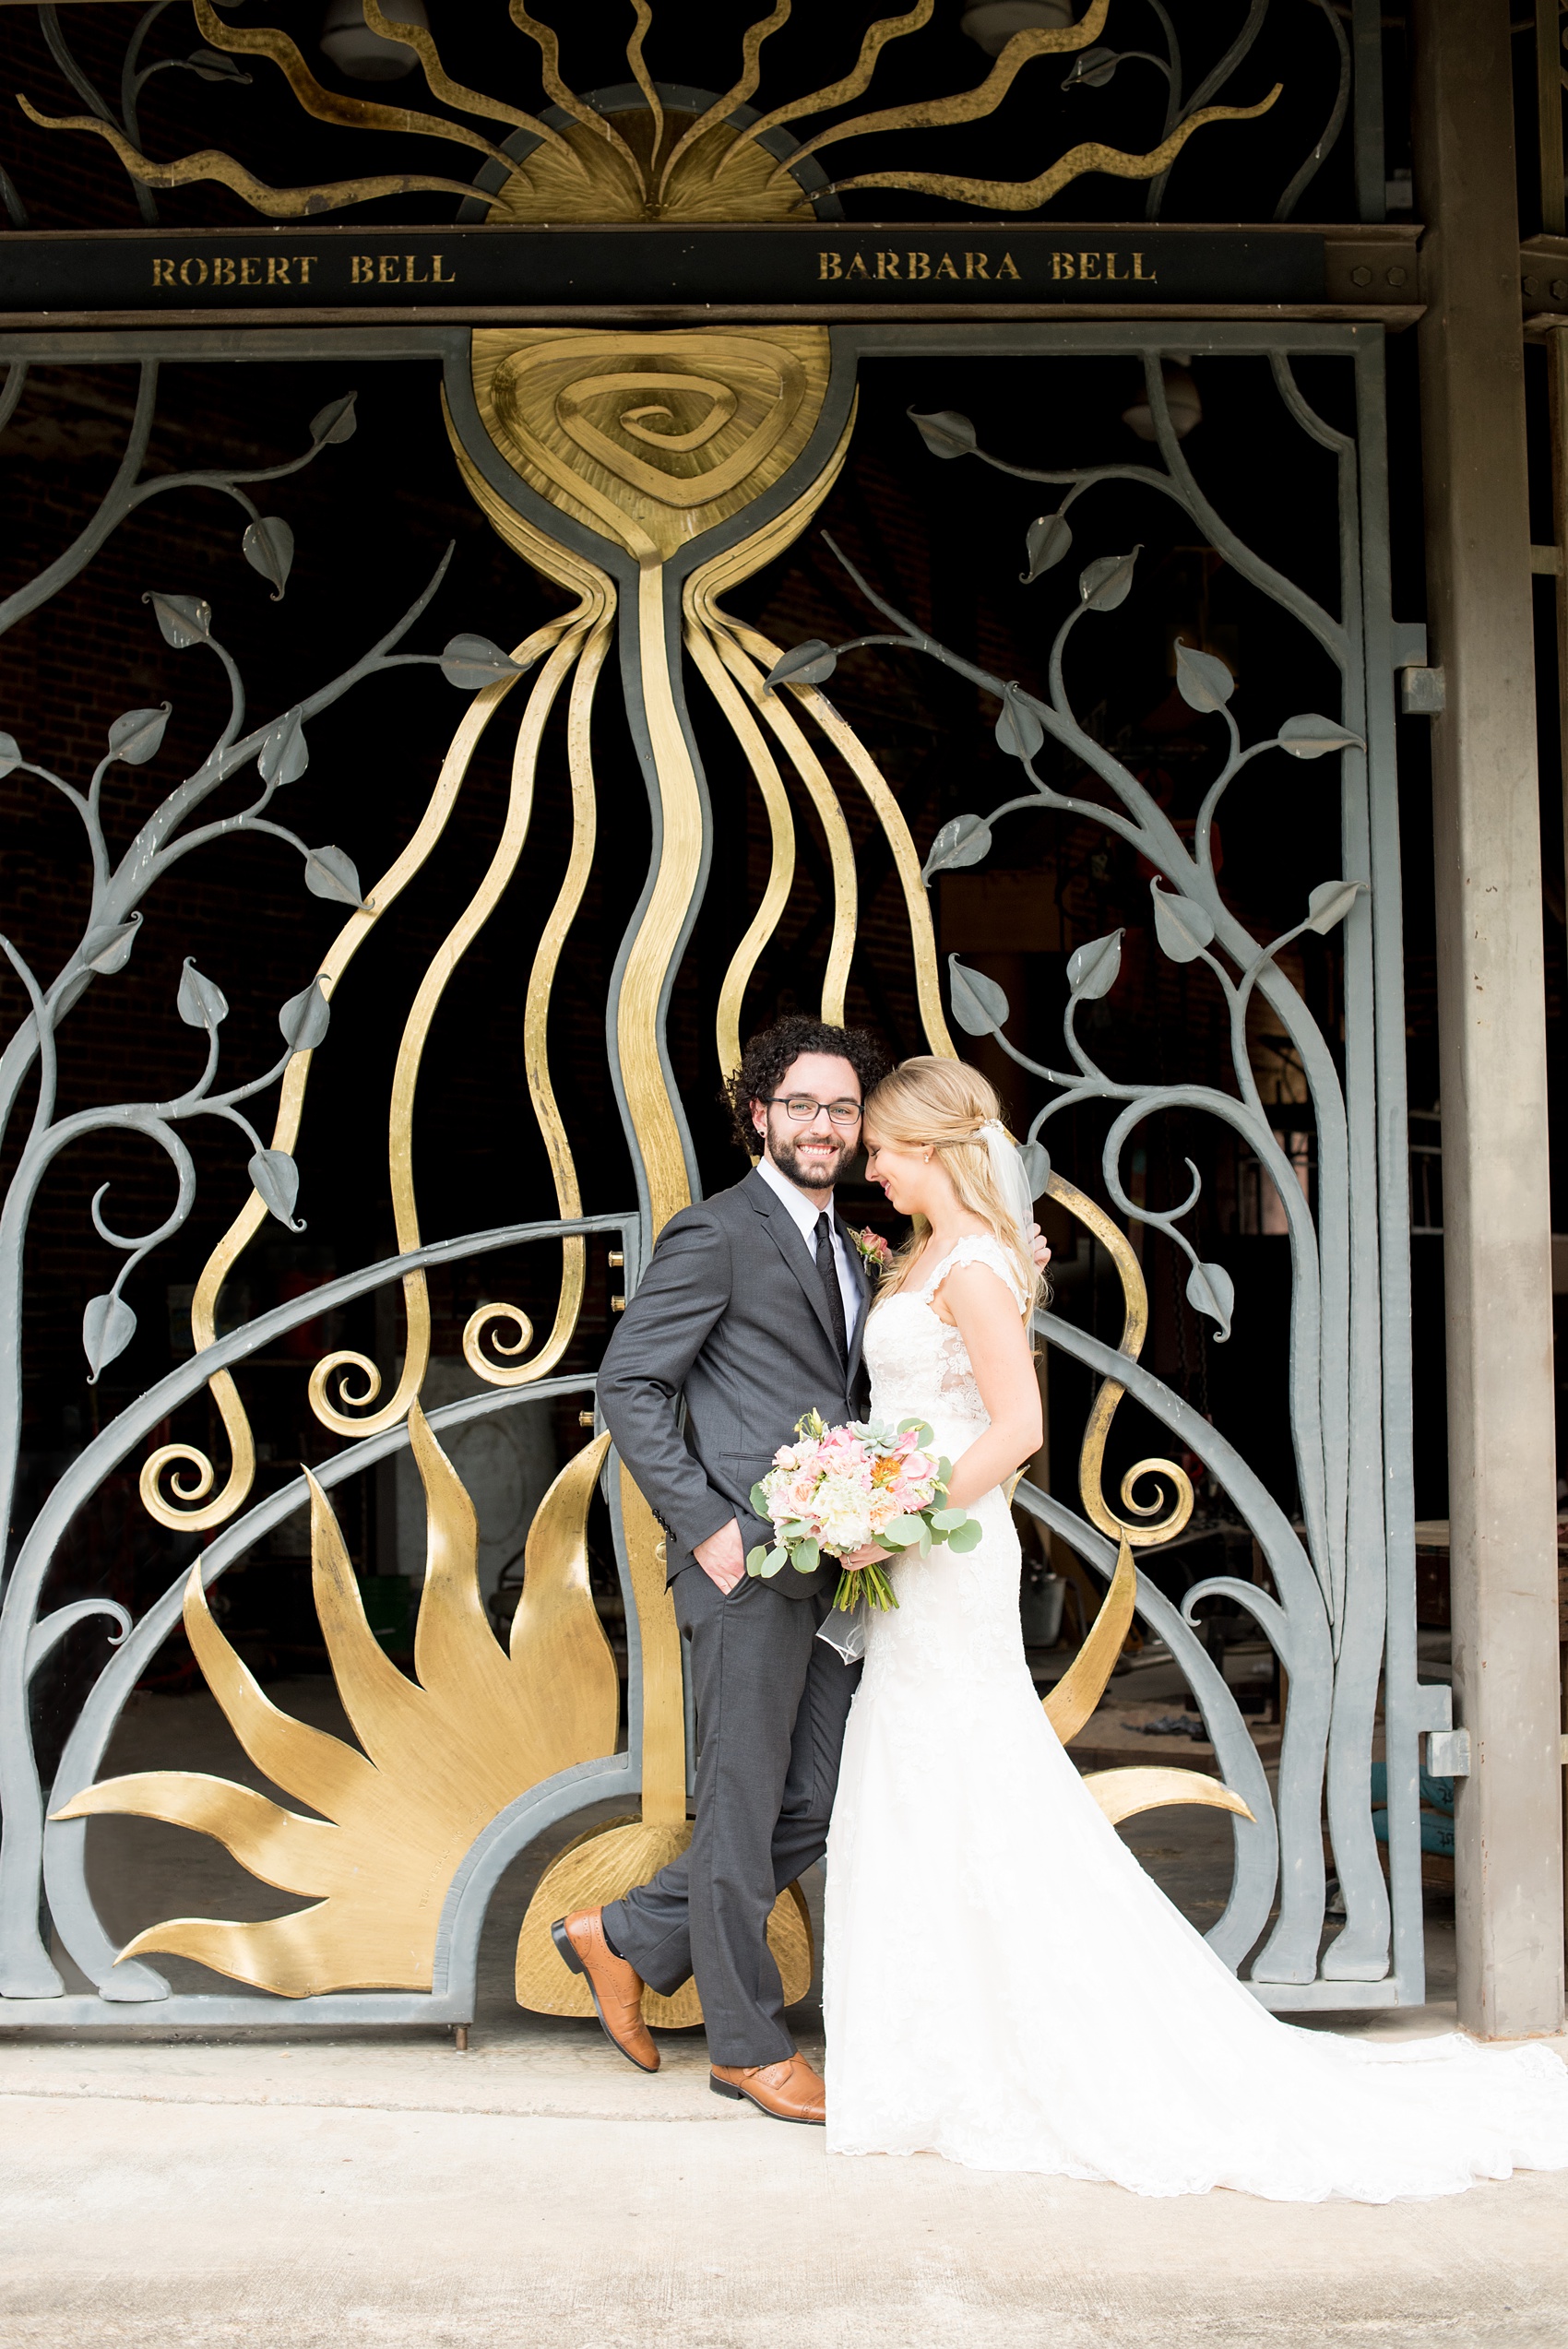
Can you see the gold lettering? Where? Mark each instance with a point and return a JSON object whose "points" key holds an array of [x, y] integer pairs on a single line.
{"points": [[919, 265], [364, 270], [1112, 271], [1060, 265], [945, 266], [387, 273], [250, 264], [305, 261], [163, 272], [887, 265], [1088, 267], [1148, 276], [974, 264], [829, 265], [278, 269], [1005, 268], [438, 275], [857, 268], [223, 270], [410, 275]]}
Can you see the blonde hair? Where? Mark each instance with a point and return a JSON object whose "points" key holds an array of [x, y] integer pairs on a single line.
{"points": [[941, 1104]]}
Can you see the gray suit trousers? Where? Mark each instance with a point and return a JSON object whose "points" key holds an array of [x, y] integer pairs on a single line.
{"points": [[772, 1700]]}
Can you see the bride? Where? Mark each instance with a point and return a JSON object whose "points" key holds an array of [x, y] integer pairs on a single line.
{"points": [[1002, 1983]]}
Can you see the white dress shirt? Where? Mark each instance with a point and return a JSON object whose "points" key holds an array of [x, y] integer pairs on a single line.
{"points": [[803, 1216]]}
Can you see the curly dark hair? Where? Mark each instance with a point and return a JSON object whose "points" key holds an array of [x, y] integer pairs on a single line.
{"points": [[770, 1053]]}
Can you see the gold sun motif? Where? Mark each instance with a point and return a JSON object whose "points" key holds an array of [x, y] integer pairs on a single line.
{"points": [[652, 163]]}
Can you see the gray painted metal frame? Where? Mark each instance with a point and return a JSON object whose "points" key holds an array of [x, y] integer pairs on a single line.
{"points": [[1332, 1694]]}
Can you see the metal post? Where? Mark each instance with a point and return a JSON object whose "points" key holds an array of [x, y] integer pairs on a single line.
{"points": [[1491, 1016]]}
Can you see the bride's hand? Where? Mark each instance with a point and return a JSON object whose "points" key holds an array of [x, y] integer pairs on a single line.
{"points": [[867, 1555], [1039, 1248]]}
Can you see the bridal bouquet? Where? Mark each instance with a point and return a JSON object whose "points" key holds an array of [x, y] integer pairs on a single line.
{"points": [[840, 1488]]}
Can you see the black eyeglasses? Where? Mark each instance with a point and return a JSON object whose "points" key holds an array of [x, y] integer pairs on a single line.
{"points": [[799, 1106]]}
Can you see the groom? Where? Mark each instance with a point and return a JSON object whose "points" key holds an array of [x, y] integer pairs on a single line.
{"points": [[752, 1312]]}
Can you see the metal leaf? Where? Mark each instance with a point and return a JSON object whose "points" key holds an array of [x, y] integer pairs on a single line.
{"points": [[1211, 1291], [268, 547], [979, 1006], [963, 839], [212, 67], [1202, 682], [945, 432], [1310, 736], [336, 421], [201, 1004], [276, 1179], [135, 736], [1093, 69], [1037, 1166], [184, 620], [811, 663], [285, 755], [1330, 902], [1182, 928], [108, 948], [1046, 539], [10, 756], [330, 873], [1092, 970], [303, 1018], [1104, 584], [1018, 730], [107, 1327], [469, 662]]}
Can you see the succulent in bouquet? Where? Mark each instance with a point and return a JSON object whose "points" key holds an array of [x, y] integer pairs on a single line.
{"points": [[836, 1489]]}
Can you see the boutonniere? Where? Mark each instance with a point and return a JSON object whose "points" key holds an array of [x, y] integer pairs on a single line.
{"points": [[873, 1250]]}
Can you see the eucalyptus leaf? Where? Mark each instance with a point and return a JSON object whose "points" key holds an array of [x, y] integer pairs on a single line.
{"points": [[10, 756], [1092, 970], [1330, 902], [330, 873], [921, 1431], [469, 662], [135, 736], [963, 839], [1182, 928], [304, 1018], [1201, 680], [1093, 69], [948, 1521], [107, 947], [1310, 736], [1104, 584], [979, 1006], [276, 1179], [759, 1500], [1046, 539], [284, 755], [336, 421], [200, 1003], [811, 663], [755, 1560], [1037, 1166], [1211, 1291], [268, 547], [807, 1558], [965, 1537], [107, 1327], [901, 1533], [776, 1557], [184, 620], [1018, 730], [945, 432]]}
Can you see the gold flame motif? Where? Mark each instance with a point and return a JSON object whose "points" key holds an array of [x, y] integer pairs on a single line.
{"points": [[437, 1757], [654, 162]]}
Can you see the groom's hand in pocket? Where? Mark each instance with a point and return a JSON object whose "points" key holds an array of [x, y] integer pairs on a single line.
{"points": [[722, 1557]]}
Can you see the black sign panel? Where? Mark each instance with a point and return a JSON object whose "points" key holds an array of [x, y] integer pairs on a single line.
{"points": [[826, 267]]}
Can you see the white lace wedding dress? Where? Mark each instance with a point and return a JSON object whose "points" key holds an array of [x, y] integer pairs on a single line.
{"points": [[1003, 1983]]}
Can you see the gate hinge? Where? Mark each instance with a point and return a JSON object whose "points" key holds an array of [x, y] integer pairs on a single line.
{"points": [[1448, 1749]]}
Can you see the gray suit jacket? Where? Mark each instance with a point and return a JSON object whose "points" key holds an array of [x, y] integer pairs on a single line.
{"points": [[731, 1314]]}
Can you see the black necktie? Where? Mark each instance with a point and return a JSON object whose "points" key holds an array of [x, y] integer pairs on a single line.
{"points": [[829, 1271]]}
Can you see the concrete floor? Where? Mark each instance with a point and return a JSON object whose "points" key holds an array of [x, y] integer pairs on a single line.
{"points": [[384, 2190]]}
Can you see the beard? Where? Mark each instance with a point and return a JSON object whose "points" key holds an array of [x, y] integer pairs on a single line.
{"points": [[811, 1174]]}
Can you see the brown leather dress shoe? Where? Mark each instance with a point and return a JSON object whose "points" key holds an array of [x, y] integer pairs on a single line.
{"points": [[787, 2091], [615, 1986]]}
